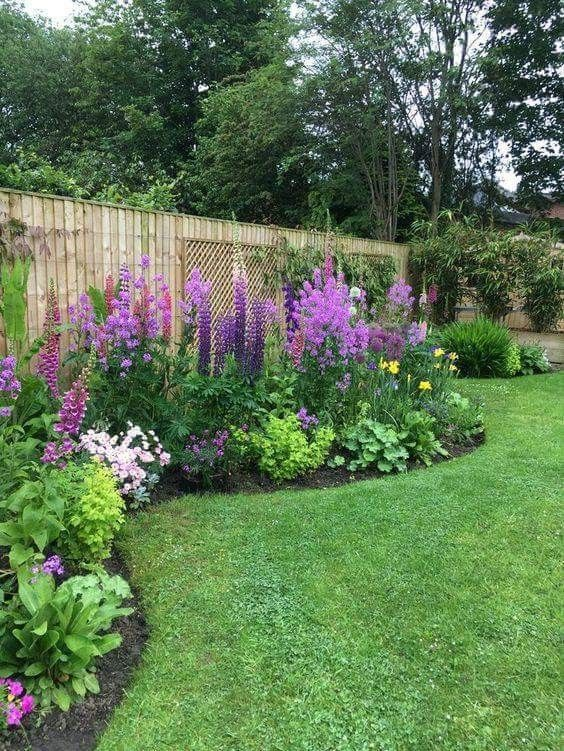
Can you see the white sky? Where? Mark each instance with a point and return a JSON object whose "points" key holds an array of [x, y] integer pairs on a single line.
{"points": [[61, 11], [58, 10]]}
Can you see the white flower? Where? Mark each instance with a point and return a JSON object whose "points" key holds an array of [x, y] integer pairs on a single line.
{"points": [[354, 293]]}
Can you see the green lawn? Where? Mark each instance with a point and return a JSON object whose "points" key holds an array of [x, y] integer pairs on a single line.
{"points": [[415, 612]]}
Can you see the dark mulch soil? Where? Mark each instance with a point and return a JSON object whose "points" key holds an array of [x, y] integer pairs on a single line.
{"points": [[175, 484], [79, 728]]}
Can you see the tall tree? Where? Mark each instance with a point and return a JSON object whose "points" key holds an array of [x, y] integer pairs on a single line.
{"points": [[525, 89], [422, 58], [251, 157]]}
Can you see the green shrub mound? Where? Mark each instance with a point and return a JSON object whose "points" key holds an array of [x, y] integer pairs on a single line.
{"points": [[484, 348]]}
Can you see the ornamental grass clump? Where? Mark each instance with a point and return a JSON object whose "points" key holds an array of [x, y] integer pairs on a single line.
{"points": [[485, 349]]}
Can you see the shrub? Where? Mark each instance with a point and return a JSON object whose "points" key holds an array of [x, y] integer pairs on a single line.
{"points": [[51, 635], [372, 443], [533, 359], [94, 511], [485, 349], [284, 450], [542, 291], [418, 436]]}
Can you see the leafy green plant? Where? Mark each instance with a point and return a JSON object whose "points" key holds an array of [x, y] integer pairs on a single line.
{"points": [[13, 281], [533, 359], [417, 434], [542, 292], [94, 511], [513, 362], [372, 443], [460, 419], [34, 512], [284, 451], [485, 349], [52, 635]]}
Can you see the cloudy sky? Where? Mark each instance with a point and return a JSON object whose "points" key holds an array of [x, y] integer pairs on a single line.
{"points": [[58, 10]]}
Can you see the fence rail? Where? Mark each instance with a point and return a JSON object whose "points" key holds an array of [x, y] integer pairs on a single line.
{"points": [[77, 243]]}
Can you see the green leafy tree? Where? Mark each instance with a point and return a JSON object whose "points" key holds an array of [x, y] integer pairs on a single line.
{"points": [[524, 89], [251, 158]]}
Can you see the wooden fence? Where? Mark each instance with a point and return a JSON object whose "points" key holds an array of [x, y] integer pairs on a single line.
{"points": [[77, 243]]}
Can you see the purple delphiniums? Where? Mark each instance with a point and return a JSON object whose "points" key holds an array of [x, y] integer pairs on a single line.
{"points": [[289, 305], [48, 357], [10, 386], [224, 337], [262, 313], [323, 315]]}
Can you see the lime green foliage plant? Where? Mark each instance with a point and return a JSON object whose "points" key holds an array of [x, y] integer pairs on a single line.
{"points": [[513, 362], [373, 444], [51, 635], [417, 434], [484, 348], [284, 451], [94, 511]]}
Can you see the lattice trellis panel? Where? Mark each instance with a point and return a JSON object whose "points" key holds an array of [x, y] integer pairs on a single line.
{"points": [[215, 260]]}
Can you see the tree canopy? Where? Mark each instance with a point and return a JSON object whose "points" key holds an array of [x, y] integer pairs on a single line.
{"points": [[377, 113]]}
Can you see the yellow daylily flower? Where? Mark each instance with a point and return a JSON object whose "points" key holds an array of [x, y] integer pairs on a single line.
{"points": [[453, 368], [453, 356], [425, 386], [438, 352], [383, 364], [437, 366], [394, 367]]}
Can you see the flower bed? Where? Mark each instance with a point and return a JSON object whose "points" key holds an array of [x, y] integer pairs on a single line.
{"points": [[338, 391]]}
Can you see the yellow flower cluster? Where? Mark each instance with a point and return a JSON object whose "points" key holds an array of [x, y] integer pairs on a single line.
{"points": [[392, 366], [425, 386], [452, 356]]}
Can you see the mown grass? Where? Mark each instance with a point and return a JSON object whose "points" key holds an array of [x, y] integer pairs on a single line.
{"points": [[414, 612]]}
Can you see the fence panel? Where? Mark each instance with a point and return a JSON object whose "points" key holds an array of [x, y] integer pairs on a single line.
{"points": [[77, 243]]}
